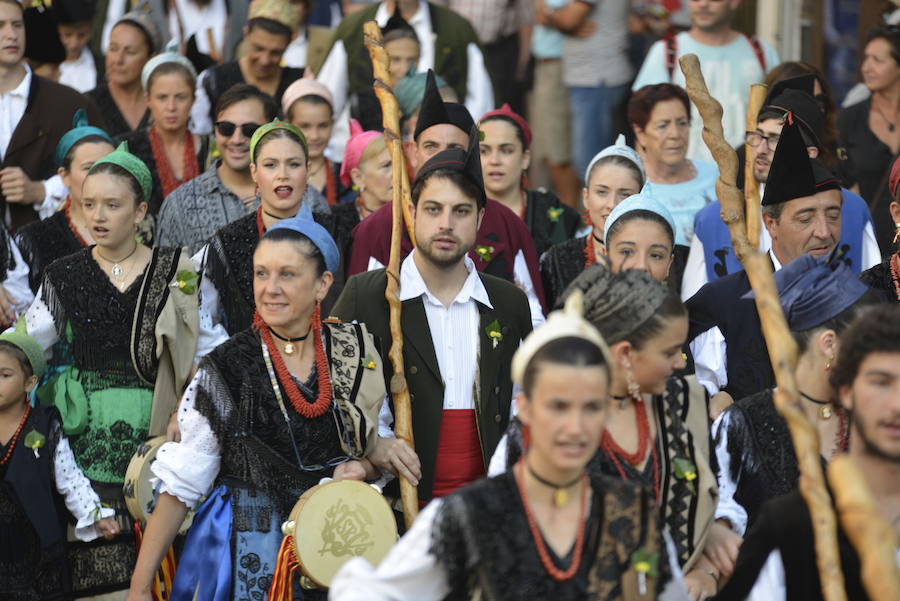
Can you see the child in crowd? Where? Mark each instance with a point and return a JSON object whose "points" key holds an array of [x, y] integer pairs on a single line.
{"points": [[36, 467]]}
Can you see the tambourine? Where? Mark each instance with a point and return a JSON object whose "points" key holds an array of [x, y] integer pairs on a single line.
{"points": [[335, 521], [140, 498]]}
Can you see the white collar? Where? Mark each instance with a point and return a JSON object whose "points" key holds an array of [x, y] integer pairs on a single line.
{"points": [[775, 262], [413, 286], [24, 86], [421, 17]]}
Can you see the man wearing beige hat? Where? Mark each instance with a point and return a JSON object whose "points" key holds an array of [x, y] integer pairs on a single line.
{"points": [[270, 28]]}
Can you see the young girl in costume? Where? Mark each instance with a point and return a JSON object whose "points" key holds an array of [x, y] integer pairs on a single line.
{"points": [[36, 468], [129, 316]]}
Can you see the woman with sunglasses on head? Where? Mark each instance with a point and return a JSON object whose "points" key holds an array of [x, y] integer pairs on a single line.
{"points": [[657, 429], [260, 424], [279, 167], [128, 315], [550, 527]]}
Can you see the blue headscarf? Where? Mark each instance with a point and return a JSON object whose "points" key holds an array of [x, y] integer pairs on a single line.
{"points": [[80, 129], [812, 291], [639, 202], [303, 223]]}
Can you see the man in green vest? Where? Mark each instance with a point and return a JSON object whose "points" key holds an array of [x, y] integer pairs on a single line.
{"points": [[449, 45], [460, 329]]}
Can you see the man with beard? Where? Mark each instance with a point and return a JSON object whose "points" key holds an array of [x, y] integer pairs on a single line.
{"points": [[195, 210], [503, 246], [731, 62], [712, 256], [777, 560], [802, 213], [460, 329]]}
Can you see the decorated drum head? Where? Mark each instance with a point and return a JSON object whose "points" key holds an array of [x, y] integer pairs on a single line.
{"points": [[338, 520], [140, 498]]}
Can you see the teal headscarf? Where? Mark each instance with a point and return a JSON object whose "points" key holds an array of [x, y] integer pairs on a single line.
{"points": [[80, 129], [410, 91], [639, 202], [130, 163], [272, 125]]}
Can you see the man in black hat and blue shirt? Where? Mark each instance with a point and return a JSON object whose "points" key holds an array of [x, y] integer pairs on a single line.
{"points": [[460, 329], [802, 214], [503, 247], [712, 256]]}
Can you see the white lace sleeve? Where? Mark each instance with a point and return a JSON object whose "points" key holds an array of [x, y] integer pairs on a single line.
{"points": [[40, 323], [497, 464], [710, 360], [727, 507], [409, 572], [212, 332], [81, 500], [16, 282], [187, 469]]}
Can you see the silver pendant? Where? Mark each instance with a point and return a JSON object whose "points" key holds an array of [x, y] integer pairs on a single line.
{"points": [[117, 270], [289, 348]]}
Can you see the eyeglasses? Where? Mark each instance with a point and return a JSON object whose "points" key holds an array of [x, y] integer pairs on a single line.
{"points": [[754, 139], [226, 128]]}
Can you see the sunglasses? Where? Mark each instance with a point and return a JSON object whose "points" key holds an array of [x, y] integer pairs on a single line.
{"points": [[226, 128]]}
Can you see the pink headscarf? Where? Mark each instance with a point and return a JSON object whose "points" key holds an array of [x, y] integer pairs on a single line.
{"points": [[305, 86], [356, 146], [519, 120]]}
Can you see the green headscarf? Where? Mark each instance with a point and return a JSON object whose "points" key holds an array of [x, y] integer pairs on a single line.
{"points": [[130, 163], [274, 124], [19, 337]]}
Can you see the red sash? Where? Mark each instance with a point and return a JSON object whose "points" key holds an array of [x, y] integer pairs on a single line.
{"points": [[459, 458]]}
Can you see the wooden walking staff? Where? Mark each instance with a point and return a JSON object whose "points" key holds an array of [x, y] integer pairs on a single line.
{"points": [[401, 200], [751, 186], [781, 345]]}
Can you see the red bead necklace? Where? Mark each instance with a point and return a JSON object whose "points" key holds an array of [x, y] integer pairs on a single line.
{"points": [[614, 451], [590, 257], [260, 226], [303, 407], [544, 555], [68, 211], [166, 174], [895, 273], [15, 437]]}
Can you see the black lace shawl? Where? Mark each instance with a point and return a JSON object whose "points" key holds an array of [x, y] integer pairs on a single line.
{"points": [[560, 265], [549, 220], [879, 278], [678, 503], [116, 125], [763, 462], [42, 242], [235, 394], [482, 538]]}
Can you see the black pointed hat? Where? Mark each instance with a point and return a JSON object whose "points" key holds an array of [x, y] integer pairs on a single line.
{"points": [[467, 162], [795, 95], [42, 43], [435, 111], [400, 25], [73, 11], [793, 174]]}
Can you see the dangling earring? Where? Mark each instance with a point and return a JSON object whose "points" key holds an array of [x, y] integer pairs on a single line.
{"points": [[828, 364], [526, 437], [634, 389], [897, 233]]}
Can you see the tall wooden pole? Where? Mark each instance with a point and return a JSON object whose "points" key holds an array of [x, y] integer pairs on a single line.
{"points": [[780, 342], [401, 199], [751, 186]]}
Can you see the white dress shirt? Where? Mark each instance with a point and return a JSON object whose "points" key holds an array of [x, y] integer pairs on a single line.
{"points": [[81, 73], [454, 329], [12, 108], [479, 91]]}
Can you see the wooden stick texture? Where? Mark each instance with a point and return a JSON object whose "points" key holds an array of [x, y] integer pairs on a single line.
{"points": [[399, 389], [871, 534], [781, 345], [751, 186]]}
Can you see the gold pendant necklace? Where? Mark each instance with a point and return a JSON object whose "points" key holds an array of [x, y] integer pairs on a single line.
{"points": [[289, 347], [825, 410], [560, 491]]}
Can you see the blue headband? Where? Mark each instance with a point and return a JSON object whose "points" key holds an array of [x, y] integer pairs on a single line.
{"points": [[303, 224], [639, 202], [80, 129], [812, 291]]}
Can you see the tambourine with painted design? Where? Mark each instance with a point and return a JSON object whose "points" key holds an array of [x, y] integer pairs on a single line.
{"points": [[140, 498], [333, 522]]}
